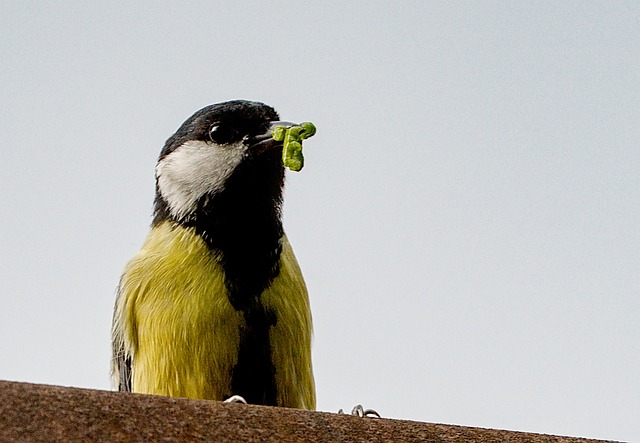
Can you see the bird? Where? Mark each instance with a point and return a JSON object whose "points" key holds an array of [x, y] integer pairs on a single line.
{"points": [[214, 305]]}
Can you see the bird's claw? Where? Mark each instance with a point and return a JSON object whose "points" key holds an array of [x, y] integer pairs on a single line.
{"points": [[359, 411], [236, 399]]}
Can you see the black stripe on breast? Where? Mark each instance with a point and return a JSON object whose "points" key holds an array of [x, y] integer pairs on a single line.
{"points": [[242, 225], [253, 377]]}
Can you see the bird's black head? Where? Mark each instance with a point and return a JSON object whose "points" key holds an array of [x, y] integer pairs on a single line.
{"points": [[222, 158], [223, 124]]}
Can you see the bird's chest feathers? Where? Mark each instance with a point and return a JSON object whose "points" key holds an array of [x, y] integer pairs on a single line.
{"points": [[184, 334], [185, 282], [181, 316]]}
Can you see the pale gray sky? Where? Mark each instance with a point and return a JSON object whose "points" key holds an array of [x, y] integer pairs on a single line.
{"points": [[468, 219]]}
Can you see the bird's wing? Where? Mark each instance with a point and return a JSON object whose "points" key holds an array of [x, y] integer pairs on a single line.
{"points": [[124, 371], [120, 358]]}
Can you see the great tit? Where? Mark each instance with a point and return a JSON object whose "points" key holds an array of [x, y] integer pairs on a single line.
{"points": [[214, 304]]}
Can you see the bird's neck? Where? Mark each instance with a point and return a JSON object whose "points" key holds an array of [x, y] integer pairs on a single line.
{"points": [[242, 226], [247, 236]]}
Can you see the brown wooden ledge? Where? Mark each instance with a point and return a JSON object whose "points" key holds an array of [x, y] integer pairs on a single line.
{"points": [[41, 413]]}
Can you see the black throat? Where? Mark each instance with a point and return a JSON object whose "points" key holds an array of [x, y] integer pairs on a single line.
{"points": [[242, 226]]}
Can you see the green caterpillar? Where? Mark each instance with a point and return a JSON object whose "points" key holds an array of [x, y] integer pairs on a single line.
{"points": [[291, 139]]}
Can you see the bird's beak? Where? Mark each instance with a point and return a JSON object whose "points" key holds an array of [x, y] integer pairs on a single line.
{"points": [[265, 141], [274, 125]]}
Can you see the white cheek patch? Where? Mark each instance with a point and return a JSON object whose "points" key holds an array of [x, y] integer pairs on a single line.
{"points": [[194, 169]]}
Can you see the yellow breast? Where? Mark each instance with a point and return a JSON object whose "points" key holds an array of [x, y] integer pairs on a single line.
{"points": [[183, 334]]}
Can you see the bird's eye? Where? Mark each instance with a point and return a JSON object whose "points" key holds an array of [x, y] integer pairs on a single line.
{"points": [[222, 134], [213, 132]]}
